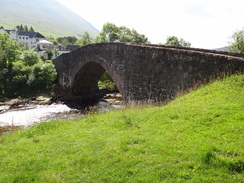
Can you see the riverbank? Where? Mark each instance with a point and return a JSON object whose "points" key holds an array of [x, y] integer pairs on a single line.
{"points": [[196, 138], [20, 102]]}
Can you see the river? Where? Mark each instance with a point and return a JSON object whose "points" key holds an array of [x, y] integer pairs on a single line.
{"points": [[31, 114]]}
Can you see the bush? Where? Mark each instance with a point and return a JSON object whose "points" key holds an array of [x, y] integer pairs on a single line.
{"points": [[106, 82], [42, 76], [30, 57], [21, 71]]}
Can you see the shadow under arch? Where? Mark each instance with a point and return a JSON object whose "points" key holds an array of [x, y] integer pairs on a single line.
{"points": [[85, 83]]}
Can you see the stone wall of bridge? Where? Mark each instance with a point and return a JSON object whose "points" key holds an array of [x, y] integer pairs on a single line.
{"points": [[141, 72]]}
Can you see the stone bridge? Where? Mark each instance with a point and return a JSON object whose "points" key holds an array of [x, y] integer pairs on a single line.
{"points": [[141, 72]]}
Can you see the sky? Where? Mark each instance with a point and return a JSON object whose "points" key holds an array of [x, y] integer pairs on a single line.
{"points": [[204, 23]]}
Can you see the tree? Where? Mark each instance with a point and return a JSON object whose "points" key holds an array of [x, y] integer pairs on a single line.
{"points": [[42, 76], [110, 32], [237, 43], [49, 54], [139, 38], [67, 40], [21, 28], [17, 27], [174, 41], [30, 57], [31, 29], [55, 42], [113, 33], [72, 39], [10, 51], [84, 40], [21, 71], [19, 84], [26, 28]]}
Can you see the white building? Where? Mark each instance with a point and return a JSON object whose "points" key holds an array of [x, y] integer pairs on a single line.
{"points": [[28, 38], [38, 43]]}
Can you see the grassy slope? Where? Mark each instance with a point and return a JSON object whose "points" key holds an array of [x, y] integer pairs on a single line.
{"points": [[196, 138], [48, 17]]}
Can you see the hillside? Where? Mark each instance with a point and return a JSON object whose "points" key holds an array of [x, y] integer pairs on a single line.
{"points": [[196, 138], [223, 49], [46, 16]]}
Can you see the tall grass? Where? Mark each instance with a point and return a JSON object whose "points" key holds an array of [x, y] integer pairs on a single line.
{"points": [[195, 138]]}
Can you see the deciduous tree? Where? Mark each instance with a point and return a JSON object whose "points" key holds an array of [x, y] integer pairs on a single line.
{"points": [[175, 41], [67, 40], [113, 33], [19, 75], [85, 39], [237, 42], [10, 51]]}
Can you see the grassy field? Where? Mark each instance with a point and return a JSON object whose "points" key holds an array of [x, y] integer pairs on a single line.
{"points": [[199, 137]]}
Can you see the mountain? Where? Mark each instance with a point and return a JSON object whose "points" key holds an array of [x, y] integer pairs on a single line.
{"points": [[223, 49], [48, 17]]}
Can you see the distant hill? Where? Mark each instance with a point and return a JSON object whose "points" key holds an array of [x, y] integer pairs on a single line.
{"points": [[223, 49], [48, 17]]}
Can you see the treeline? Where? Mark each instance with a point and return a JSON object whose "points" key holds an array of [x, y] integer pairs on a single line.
{"points": [[25, 28], [22, 72], [112, 33], [109, 33], [67, 40]]}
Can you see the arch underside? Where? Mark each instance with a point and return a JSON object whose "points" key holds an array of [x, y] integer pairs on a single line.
{"points": [[85, 83]]}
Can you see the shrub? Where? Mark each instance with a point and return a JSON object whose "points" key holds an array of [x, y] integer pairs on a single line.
{"points": [[42, 76]]}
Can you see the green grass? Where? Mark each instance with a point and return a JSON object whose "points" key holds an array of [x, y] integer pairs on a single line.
{"points": [[199, 137]]}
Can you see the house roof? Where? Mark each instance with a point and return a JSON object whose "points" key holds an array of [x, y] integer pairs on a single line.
{"points": [[30, 34], [7, 30]]}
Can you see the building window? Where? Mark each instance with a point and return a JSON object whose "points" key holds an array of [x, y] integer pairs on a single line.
{"points": [[19, 37], [27, 38], [23, 37]]}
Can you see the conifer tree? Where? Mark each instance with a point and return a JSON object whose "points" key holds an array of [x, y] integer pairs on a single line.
{"points": [[31, 29], [18, 27], [26, 28], [21, 28]]}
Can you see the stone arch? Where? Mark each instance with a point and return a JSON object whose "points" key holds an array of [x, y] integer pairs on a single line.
{"points": [[141, 72], [85, 82]]}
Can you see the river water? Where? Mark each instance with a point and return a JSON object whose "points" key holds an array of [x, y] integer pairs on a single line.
{"points": [[30, 114]]}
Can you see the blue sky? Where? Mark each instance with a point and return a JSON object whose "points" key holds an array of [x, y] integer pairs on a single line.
{"points": [[204, 23]]}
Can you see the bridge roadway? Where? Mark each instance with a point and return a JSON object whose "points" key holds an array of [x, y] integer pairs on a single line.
{"points": [[141, 72]]}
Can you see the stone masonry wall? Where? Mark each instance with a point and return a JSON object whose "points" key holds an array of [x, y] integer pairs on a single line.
{"points": [[142, 72]]}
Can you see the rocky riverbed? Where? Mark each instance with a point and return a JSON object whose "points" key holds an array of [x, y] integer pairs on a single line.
{"points": [[28, 112]]}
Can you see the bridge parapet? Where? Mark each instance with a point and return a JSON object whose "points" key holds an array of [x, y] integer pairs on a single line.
{"points": [[141, 72]]}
